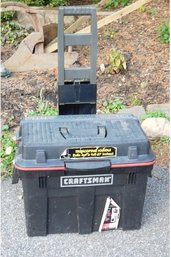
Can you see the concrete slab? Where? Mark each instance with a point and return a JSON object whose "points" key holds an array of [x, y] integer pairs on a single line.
{"points": [[162, 107], [137, 111]]}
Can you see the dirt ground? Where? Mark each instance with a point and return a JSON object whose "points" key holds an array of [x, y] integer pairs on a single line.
{"points": [[147, 75]]}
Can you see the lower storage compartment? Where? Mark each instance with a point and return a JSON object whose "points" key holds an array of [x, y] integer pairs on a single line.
{"points": [[51, 209]]}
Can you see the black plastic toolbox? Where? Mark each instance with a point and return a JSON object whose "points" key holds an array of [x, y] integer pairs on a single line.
{"points": [[71, 165]]}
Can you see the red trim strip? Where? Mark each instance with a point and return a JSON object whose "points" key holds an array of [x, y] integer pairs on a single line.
{"points": [[38, 168], [133, 164], [63, 168]]}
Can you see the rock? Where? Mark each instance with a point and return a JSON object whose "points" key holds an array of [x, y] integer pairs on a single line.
{"points": [[102, 67], [4, 72], [156, 127], [162, 107], [137, 111]]}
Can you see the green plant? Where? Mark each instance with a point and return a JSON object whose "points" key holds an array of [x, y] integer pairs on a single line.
{"points": [[117, 62], [7, 153], [58, 2], [110, 34], [142, 8], [151, 11], [34, 2], [44, 2], [113, 105], [116, 3], [135, 100], [12, 32], [95, 1], [164, 33], [43, 108], [165, 140], [7, 16], [156, 114]]}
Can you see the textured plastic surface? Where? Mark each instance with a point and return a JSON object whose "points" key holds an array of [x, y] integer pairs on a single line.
{"points": [[54, 134], [77, 98], [90, 39], [52, 207], [77, 86]]}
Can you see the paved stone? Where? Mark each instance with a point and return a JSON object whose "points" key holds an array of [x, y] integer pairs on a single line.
{"points": [[137, 111], [162, 107], [152, 240]]}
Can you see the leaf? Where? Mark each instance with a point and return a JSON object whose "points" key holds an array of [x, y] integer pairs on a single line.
{"points": [[8, 150], [124, 65], [118, 62], [5, 127], [105, 104]]}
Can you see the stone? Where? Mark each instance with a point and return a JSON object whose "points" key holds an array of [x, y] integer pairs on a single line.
{"points": [[137, 111], [156, 127], [102, 67], [162, 107]]}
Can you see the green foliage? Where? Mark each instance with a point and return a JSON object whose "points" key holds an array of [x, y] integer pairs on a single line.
{"points": [[165, 140], [116, 3], [7, 153], [117, 62], [44, 2], [7, 16], [110, 34], [95, 1], [156, 114], [149, 10], [142, 8], [43, 108], [58, 2], [12, 32], [34, 2], [164, 33], [135, 100], [113, 105]]}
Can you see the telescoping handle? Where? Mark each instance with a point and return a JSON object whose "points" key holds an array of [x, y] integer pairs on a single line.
{"points": [[65, 39]]}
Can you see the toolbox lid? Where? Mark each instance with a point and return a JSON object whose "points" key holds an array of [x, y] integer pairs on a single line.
{"points": [[50, 141]]}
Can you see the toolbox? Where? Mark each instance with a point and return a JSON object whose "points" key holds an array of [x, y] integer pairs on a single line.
{"points": [[81, 172], [70, 165]]}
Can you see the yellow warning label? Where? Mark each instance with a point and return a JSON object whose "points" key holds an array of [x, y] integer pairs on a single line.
{"points": [[89, 152]]}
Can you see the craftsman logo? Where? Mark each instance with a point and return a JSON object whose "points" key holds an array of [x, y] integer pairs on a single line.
{"points": [[87, 180], [89, 152]]}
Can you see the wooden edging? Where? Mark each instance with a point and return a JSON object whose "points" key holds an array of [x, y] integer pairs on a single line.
{"points": [[52, 46]]}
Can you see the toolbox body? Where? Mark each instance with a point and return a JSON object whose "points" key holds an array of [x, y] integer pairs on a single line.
{"points": [[70, 164]]}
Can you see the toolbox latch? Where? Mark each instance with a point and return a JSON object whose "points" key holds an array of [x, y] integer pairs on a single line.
{"points": [[132, 152], [40, 156]]}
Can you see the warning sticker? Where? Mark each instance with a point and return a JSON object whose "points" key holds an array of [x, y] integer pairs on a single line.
{"points": [[111, 215], [89, 152]]}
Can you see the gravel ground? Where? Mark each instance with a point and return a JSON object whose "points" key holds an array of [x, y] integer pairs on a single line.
{"points": [[152, 240]]}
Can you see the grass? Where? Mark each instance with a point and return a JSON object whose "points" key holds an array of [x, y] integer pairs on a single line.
{"points": [[43, 108], [156, 114], [7, 153], [161, 148]]}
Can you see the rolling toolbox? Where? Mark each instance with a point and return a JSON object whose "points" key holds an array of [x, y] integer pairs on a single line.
{"points": [[82, 173]]}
